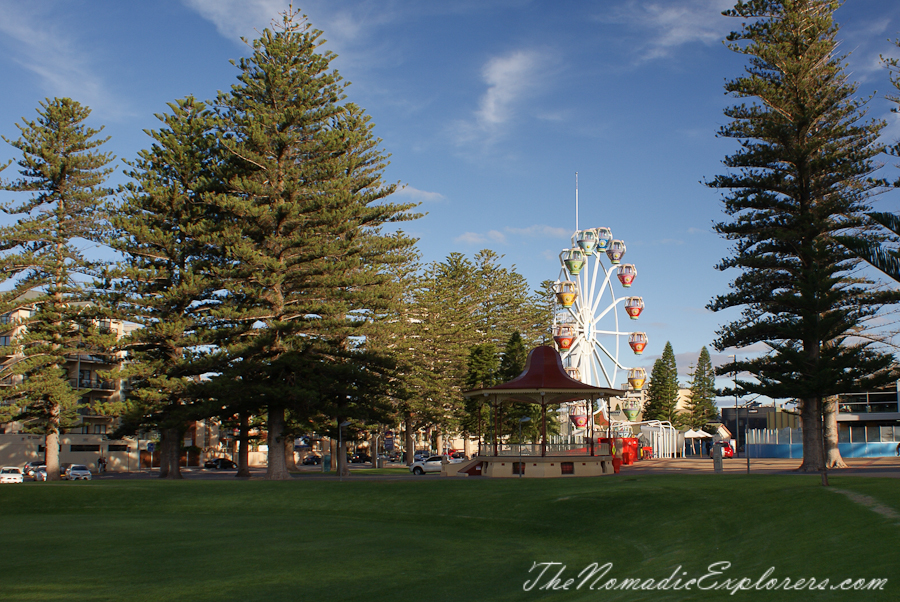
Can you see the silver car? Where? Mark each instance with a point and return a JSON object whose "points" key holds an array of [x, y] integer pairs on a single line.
{"points": [[431, 464], [77, 472]]}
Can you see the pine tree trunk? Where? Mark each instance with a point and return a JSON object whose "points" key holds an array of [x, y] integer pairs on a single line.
{"points": [[289, 460], [169, 460], [811, 420], [408, 441], [833, 457], [51, 455], [277, 470], [244, 447]]}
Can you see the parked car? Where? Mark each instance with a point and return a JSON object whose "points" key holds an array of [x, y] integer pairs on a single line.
{"points": [[727, 451], [360, 458], [11, 474], [40, 474], [78, 472], [430, 464], [312, 459], [30, 467], [220, 464]]}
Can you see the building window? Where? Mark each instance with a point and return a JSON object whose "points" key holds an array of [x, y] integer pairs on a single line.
{"points": [[4, 319], [117, 448], [518, 467], [99, 429], [567, 467], [84, 448], [5, 341]]}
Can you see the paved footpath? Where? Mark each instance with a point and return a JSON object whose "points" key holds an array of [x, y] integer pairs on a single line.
{"points": [[869, 467]]}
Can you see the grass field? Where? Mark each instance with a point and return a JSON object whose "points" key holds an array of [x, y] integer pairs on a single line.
{"points": [[433, 539]]}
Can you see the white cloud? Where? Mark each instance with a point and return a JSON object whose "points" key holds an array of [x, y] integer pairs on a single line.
{"points": [[536, 231], [238, 18], [348, 30], [540, 232], [671, 241], [420, 195], [475, 238], [58, 59], [673, 23], [511, 79]]}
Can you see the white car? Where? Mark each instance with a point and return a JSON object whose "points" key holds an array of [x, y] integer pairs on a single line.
{"points": [[431, 464], [11, 474], [77, 472]]}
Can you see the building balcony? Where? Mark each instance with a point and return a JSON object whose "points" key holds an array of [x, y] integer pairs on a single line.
{"points": [[101, 385]]}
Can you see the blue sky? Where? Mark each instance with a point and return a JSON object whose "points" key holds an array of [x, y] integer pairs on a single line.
{"points": [[488, 108]]}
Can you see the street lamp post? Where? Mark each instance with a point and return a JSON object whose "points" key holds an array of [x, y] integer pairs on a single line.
{"points": [[340, 464], [737, 419], [521, 421]]}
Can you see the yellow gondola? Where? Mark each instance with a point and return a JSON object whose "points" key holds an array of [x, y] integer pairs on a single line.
{"points": [[566, 292], [636, 378]]}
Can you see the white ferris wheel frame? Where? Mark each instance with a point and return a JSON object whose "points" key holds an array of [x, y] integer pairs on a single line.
{"points": [[598, 363]]}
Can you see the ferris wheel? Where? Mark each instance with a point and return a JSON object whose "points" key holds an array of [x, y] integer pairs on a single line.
{"points": [[586, 324]]}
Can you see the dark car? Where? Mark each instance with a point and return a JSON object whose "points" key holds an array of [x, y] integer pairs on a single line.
{"points": [[312, 459], [30, 467], [220, 464], [360, 458]]}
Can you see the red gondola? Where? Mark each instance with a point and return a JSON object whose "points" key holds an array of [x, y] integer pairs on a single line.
{"points": [[637, 341], [579, 420], [634, 306], [564, 335], [626, 273]]}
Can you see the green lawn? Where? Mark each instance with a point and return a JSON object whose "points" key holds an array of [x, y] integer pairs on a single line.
{"points": [[430, 539]]}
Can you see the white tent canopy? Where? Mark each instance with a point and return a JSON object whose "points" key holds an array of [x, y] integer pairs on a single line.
{"points": [[692, 434]]}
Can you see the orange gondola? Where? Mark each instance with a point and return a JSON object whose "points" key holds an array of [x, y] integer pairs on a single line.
{"points": [[574, 373], [626, 273], [566, 292], [637, 341], [634, 306], [615, 251]]}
